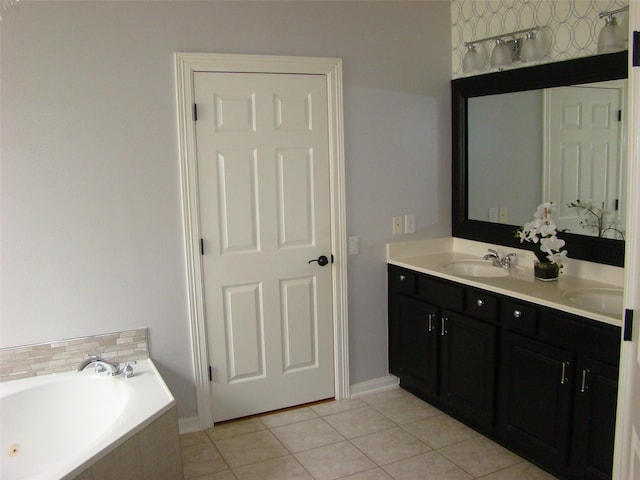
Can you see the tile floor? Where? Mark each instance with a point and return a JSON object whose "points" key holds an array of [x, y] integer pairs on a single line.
{"points": [[380, 436]]}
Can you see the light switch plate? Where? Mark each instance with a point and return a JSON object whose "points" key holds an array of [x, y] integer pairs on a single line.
{"points": [[353, 245], [397, 225], [410, 223], [502, 214]]}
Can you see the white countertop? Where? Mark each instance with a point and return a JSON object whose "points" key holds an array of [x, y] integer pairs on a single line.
{"points": [[430, 256]]}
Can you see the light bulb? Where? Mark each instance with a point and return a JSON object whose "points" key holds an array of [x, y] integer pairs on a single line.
{"points": [[529, 50], [474, 59], [501, 55], [611, 38]]}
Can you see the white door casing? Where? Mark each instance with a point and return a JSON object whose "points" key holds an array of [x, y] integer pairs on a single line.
{"points": [[626, 459], [187, 64], [584, 151], [263, 171]]}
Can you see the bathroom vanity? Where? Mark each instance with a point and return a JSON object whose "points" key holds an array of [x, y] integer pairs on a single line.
{"points": [[521, 361]]}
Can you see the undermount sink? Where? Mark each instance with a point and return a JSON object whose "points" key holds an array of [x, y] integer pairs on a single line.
{"points": [[603, 300], [474, 268]]}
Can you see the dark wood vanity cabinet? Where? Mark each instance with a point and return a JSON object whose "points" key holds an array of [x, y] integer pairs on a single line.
{"points": [[440, 353], [541, 382]]}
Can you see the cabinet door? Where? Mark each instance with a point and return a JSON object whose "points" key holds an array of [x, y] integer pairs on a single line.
{"points": [[594, 420], [418, 346], [536, 392], [467, 366], [400, 283]]}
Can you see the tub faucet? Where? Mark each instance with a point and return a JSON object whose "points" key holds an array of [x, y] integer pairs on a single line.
{"points": [[100, 365]]}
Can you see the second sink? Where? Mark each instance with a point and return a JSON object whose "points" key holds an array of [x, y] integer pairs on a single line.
{"points": [[601, 300]]}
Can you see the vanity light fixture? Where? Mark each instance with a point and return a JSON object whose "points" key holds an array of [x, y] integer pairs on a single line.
{"points": [[612, 36], [509, 47]]}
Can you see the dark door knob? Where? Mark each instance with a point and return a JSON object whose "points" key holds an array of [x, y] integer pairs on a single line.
{"points": [[322, 260]]}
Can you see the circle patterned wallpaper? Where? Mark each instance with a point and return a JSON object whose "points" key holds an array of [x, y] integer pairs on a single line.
{"points": [[571, 25]]}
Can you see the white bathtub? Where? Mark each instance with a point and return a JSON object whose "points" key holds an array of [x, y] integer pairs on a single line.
{"points": [[57, 425]]}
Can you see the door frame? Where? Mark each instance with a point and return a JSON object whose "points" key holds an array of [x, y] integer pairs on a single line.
{"points": [[627, 441], [186, 64]]}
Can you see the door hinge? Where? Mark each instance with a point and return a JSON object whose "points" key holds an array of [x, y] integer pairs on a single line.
{"points": [[210, 374], [635, 58], [628, 325], [616, 206], [202, 246], [195, 112], [619, 115]]}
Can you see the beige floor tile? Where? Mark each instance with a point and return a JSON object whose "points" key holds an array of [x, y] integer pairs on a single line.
{"points": [[200, 459], [379, 398], [360, 421], [225, 475], [428, 466], [440, 431], [334, 461], [290, 416], [194, 438], [250, 448], [237, 427], [306, 435], [390, 445], [480, 456], [338, 406], [521, 471], [406, 410], [201, 452], [283, 468], [376, 474]]}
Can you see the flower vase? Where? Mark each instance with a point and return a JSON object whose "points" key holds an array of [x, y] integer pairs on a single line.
{"points": [[545, 271]]}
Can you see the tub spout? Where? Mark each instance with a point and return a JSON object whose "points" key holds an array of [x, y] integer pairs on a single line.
{"points": [[100, 365]]}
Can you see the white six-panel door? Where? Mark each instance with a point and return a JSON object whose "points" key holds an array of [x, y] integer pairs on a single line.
{"points": [[264, 200], [583, 160]]}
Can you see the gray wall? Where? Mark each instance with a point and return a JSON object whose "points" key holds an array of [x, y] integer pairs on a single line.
{"points": [[506, 155], [91, 222]]}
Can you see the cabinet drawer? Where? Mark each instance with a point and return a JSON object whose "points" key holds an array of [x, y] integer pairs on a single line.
{"points": [[441, 293], [562, 331], [480, 304], [519, 317], [402, 281]]}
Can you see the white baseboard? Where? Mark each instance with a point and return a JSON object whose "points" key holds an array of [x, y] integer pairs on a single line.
{"points": [[387, 382], [188, 425]]}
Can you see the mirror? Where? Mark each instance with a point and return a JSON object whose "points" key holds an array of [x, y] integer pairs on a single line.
{"points": [[506, 146]]}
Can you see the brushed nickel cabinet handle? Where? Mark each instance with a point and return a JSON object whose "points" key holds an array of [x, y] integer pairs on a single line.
{"points": [[564, 378], [517, 313], [480, 302], [584, 386]]}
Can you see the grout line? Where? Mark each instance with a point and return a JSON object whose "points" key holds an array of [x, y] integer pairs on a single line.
{"points": [[350, 441]]}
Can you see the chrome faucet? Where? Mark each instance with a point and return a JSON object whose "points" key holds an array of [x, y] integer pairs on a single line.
{"points": [[505, 262], [493, 256], [100, 365]]}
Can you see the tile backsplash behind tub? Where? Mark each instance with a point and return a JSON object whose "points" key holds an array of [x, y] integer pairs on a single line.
{"points": [[65, 355]]}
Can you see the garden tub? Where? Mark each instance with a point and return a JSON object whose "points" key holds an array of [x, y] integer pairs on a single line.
{"points": [[56, 426]]}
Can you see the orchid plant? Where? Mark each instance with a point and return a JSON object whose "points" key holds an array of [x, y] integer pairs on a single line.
{"points": [[598, 219], [541, 232]]}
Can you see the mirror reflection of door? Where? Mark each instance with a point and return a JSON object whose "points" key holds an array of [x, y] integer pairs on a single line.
{"points": [[583, 156]]}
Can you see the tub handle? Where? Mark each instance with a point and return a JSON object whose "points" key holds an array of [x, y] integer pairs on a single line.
{"points": [[127, 369]]}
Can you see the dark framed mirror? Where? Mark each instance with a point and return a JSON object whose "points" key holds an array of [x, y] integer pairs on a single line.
{"points": [[515, 171]]}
